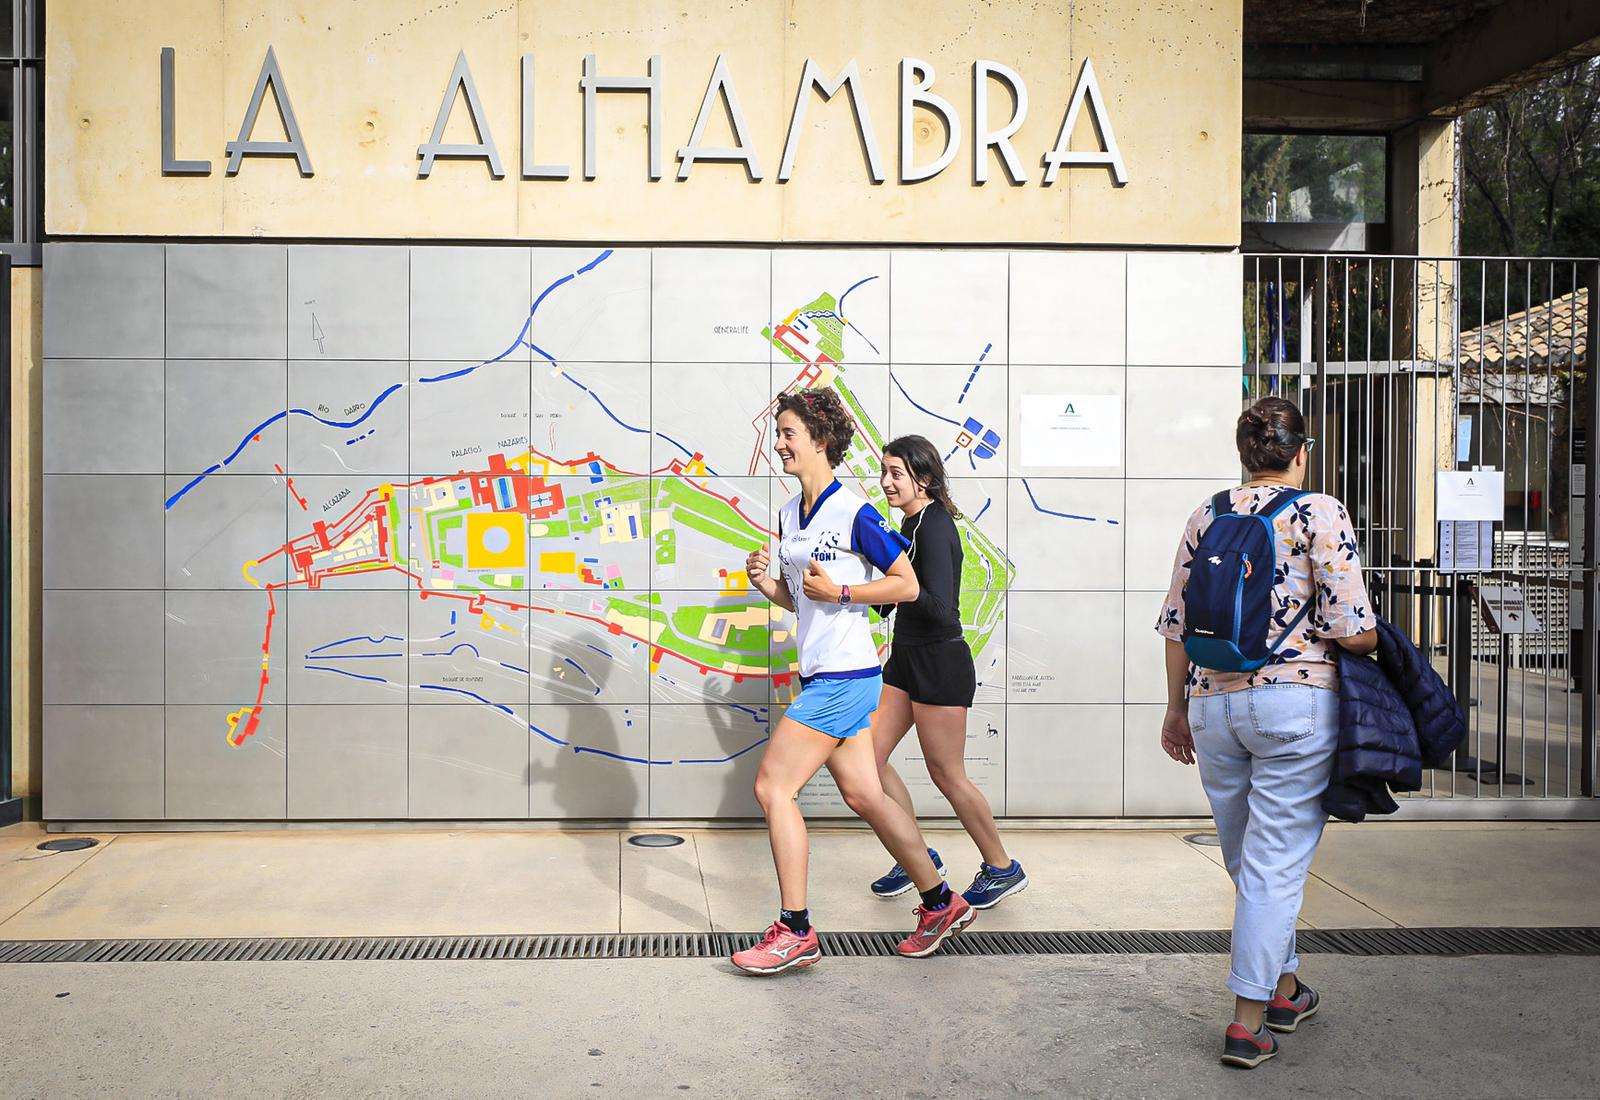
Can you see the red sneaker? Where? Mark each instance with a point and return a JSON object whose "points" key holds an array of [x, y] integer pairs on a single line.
{"points": [[778, 950], [936, 926]]}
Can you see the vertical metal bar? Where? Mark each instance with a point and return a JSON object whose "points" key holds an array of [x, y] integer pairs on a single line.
{"points": [[10, 805], [1366, 419], [1431, 577], [1544, 516], [1324, 291], [1501, 734], [1527, 534], [1574, 645], [1591, 526]]}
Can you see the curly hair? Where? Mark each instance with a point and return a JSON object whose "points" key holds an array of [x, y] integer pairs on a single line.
{"points": [[826, 419]]}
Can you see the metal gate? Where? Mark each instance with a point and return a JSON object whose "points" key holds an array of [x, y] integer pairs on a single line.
{"points": [[1408, 366]]}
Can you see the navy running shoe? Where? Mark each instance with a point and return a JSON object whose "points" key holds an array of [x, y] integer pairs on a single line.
{"points": [[992, 885], [897, 882], [1245, 1050], [1284, 1014]]}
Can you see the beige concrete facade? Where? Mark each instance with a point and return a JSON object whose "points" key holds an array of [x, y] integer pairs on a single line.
{"points": [[365, 82], [27, 528]]}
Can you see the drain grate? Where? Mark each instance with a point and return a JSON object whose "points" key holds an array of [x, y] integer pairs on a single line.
{"points": [[715, 945]]}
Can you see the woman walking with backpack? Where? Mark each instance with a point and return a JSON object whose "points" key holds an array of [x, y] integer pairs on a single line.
{"points": [[929, 680], [1266, 583]]}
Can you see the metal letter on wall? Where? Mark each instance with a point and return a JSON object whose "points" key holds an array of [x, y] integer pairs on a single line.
{"points": [[849, 77], [531, 170], [243, 146], [743, 153], [1000, 140], [1086, 90], [170, 164], [916, 84], [483, 148], [593, 84]]}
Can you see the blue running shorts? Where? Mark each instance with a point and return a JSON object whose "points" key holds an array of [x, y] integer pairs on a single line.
{"points": [[837, 707]]}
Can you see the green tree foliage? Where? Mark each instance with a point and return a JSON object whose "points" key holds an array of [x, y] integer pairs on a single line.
{"points": [[1530, 165], [1317, 177]]}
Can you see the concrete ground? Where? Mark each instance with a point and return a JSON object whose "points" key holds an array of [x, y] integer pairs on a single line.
{"points": [[399, 882], [1058, 1026], [945, 1027]]}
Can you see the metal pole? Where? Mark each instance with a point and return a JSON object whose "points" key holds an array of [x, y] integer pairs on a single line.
{"points": [[1591, 524], [10, 805]]}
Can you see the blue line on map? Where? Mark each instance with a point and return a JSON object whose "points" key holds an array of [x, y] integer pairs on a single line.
{"points": [[1064, 515], [547, 736], [358, 638], [577, 666], [469, 694], [624, 424], [600, 651], [921, 408], [846, 294], [986, 349], [604, 407], [982, 510], [353, 656], [513, 668], [451, 652], [342, 672], [520, 341], [626, 759], [726, 759]]}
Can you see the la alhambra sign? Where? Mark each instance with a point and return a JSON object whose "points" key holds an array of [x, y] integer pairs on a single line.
{"points": [[916, 92]]}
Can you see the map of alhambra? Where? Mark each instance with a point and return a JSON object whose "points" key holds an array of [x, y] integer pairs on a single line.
{"points": [[485, 495]]}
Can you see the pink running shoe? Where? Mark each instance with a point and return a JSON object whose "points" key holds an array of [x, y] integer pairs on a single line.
{"points": [[936, 926], [778, 950]]}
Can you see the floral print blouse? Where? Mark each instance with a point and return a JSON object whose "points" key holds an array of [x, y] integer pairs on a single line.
{"points": [[1317, 559]]}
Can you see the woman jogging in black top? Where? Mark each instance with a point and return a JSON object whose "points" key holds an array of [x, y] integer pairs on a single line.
{"points": [[929, 680]]}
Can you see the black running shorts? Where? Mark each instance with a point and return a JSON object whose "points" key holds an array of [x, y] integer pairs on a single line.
{"points": [[939, 674]]}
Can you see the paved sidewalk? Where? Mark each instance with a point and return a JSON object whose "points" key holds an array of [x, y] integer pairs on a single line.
{"points": [[945, 1028], [348, 882]]}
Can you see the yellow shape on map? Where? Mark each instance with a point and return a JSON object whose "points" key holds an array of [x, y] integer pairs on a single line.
{"points": [[561, 561], [496, 540]]}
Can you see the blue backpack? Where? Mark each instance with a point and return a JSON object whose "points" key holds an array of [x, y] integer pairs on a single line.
{"points": [[1228, 600]]}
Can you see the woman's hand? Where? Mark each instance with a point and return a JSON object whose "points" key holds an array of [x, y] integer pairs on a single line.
{"points": [[818, 585], [756, 563], [1176, 739]]}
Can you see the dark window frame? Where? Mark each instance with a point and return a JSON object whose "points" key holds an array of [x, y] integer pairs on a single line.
{"points": [[23, 66]]}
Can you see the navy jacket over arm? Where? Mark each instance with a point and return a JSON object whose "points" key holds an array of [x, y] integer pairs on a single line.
{"points": [[1396, 716]]}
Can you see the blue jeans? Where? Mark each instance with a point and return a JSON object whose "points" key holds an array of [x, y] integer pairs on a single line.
{"points": [[1265, 755]]}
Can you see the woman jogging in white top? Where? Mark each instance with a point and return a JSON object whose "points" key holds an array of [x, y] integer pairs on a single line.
{"points": [[830, 543]]}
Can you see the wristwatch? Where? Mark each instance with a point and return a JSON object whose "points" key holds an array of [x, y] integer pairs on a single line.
{"points": [[844, 593]]}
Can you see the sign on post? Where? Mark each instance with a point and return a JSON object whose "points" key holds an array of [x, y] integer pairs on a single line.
{"points": [[1505, 611]]}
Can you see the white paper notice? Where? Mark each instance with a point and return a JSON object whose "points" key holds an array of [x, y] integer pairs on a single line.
{"points": [[1472, 495], [1071, 429], [1465, 546]]}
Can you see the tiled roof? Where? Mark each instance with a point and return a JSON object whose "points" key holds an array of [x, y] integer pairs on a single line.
{"points": [[1549, 336]]}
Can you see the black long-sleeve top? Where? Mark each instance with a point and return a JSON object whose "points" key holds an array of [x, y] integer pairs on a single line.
{"points": [[935, 615]]}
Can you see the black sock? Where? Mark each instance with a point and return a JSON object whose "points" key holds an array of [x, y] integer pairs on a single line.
{"points": [[937, 898], [798, 920]]}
